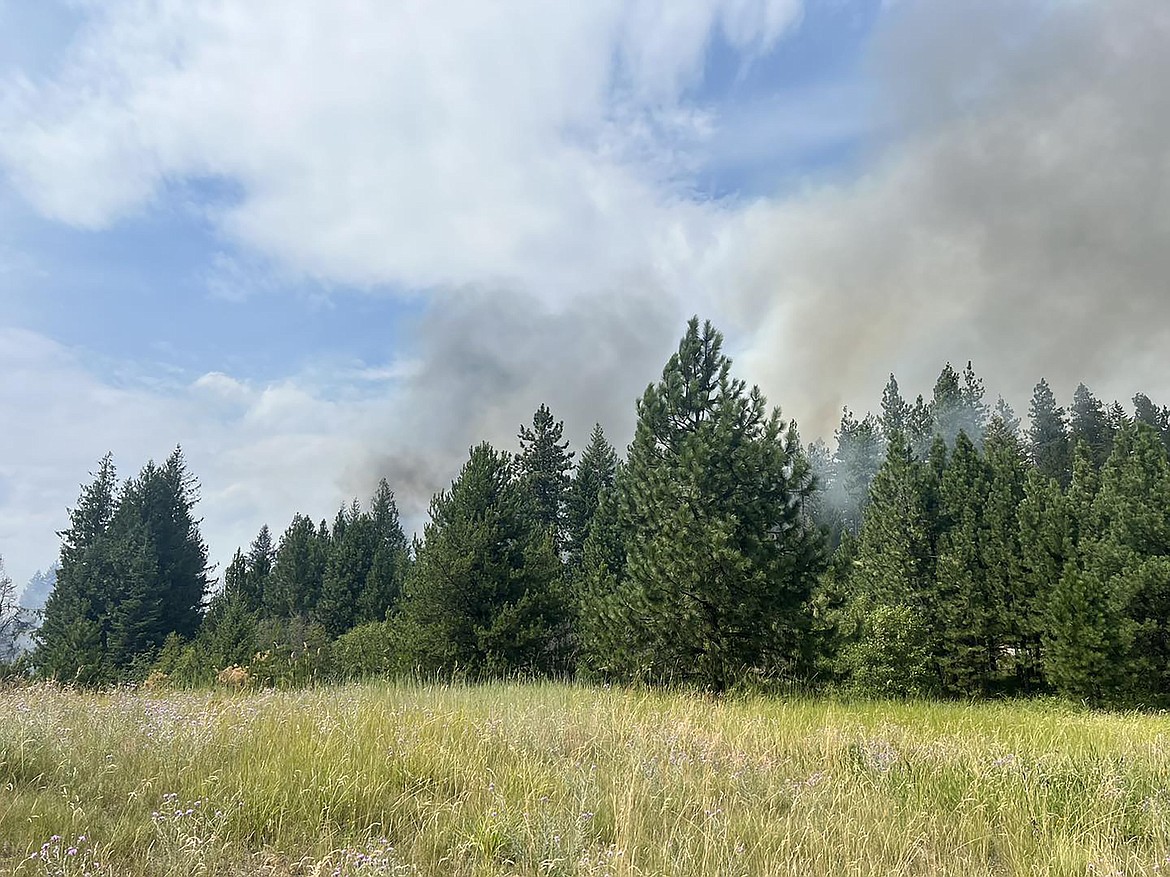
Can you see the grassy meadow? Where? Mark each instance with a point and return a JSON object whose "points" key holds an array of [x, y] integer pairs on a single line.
{"points": [[545, 779]]}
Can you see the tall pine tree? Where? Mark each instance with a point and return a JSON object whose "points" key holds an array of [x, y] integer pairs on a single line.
{"points": [[720, 559]]}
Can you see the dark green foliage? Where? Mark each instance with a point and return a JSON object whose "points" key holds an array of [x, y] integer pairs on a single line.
{"points": [[297, 572], [859, 456], [543, 466], [391, 559], [1048, 443], [969, 624], [920, 428], [1016, 668], [133, 570], [720, 558], [369, 650], [889, 655], [895, 416], [1089, 425], [351, 560], [895, 560], [595, 474], [1148, 413], [603, 617], [483, 596]]}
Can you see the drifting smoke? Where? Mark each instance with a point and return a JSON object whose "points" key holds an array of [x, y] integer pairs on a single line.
{"points": [[488, 361], [1023, 222], [1020, 220]]}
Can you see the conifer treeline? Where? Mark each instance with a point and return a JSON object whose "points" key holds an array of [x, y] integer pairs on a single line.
{"points": [[936, 550]]}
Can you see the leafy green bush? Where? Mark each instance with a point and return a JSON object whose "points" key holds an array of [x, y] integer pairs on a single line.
{"points": [[890, 657]]}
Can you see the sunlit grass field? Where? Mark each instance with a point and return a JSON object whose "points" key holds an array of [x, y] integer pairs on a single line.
{"points": [[544, 779]]}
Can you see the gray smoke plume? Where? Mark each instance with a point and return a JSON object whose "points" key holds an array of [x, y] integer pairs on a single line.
{"points": [[1021, 219], [488, 359]]}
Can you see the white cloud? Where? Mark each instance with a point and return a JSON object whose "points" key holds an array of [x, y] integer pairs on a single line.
{"points": [[261, 453], [411, 144]]}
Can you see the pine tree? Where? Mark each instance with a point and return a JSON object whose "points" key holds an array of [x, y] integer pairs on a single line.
{"points": [[1131, 556], [347, 570], [258, 564], [595, 473], [1005, 415], [481, 597], [297, 571], [1002, 559], [1048, 435], [1084, 639], [858, 458], [920, 428], [947, 405], [1047, 548], [969, 632], [133, 571], [71, 643], [1088, 424], [603, 616], [893, 570], [1150, 414], [157, 508], [720, 559], [390, 562], [895, 412], [544, 463]]}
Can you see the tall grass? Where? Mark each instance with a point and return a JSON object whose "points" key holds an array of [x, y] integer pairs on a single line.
{"points": [[559, 780]]}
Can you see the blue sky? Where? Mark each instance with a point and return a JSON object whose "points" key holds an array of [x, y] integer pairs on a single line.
{"points": [[317, 244], [155, 293]]}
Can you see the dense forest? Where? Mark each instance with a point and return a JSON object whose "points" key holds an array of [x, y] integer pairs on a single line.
{"points": [[939, 549]]}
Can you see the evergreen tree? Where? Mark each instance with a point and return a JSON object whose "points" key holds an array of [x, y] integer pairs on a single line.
{"points": [[259, 562], [947, 405], [858, 458], [969, 623], [603, 617], [893, 571], [1047, 548], [481, 597], [1009, 595], [1150, 414], [720, 559], [544, 463], [920, 429], [595, 473], [1048, 435], [71, 642], [1089, 425], [297, 571], [133, 571], [347, 570], [895, 412], [1131, 556], [1084, 640], [156, 510], [825, 507], [390, 562]]}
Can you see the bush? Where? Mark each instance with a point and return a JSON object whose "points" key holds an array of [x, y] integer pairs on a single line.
{"points": [[890, 657], [367, 650], [296, 652]]}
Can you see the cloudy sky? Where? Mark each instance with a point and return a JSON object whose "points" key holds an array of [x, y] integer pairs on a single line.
{"points": [[320, 243]]}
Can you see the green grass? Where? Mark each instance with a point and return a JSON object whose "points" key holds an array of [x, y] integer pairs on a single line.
{"points": [[559, 780]]}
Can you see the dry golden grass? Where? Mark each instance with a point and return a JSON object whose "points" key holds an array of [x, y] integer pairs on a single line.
{"points": [[564, 780]]}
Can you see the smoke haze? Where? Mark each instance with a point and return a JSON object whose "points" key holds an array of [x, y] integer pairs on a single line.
{"points": [[1021, 218]]}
